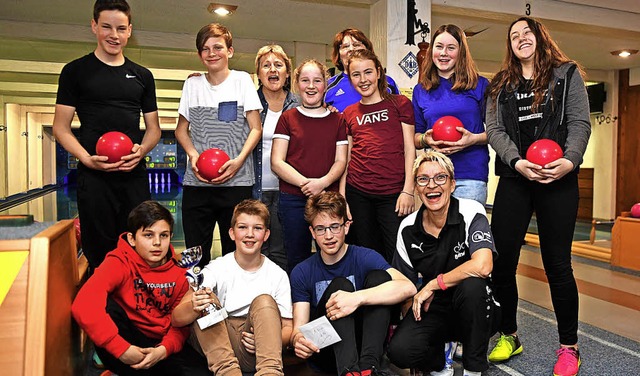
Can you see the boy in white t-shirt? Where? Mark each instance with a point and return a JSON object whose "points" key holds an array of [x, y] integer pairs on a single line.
{"points": [[253, 290], [220, 109]]}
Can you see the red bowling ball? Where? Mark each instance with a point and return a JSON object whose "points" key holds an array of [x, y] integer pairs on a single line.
{"points": [[114, 145], [544, 151], [635, 210], [210, 161], [444, 129]]}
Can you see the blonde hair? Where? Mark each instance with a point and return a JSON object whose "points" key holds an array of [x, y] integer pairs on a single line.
{"points": [[276, 50], [431, 155], [319, 65]]}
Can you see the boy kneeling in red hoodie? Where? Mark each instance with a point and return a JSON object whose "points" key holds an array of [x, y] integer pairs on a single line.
{"points": [[125, 306]]}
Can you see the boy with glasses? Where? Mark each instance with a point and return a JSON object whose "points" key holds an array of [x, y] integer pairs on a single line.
{"points": [[353, 286]]}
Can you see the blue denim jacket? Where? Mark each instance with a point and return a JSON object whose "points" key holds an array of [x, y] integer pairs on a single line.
{"points": [[291, 101]]}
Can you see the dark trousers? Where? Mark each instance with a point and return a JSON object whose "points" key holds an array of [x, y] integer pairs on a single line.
{"points": [[104, 203], [187, 362], [202, 208], [556, 207], [375, 222], [468, 315], [274, 246], [363, 332], [295, 230]]}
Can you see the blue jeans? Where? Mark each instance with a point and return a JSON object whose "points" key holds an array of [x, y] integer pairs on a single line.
{"points": [[471, 189], [295, 230]]}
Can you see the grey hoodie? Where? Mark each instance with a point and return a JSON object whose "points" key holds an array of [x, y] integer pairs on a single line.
{"points": [[567, 122]]}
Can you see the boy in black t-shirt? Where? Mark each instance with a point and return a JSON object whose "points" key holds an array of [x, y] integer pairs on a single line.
{"points": [[108, 92]]}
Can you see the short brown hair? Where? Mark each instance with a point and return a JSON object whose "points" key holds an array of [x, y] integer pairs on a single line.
{"points": [[330, 203], [251, 207], [146, 214], [213, 30], [337, 42], [102, 5]]}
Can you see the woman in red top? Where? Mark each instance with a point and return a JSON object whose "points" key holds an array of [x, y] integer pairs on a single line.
{"points": [[380, 128]]}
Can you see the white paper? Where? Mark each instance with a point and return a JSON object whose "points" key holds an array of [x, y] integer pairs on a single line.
{"points": [[320, 332]]}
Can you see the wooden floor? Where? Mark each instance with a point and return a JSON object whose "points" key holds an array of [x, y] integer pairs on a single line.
{"points": [[609, 299]]}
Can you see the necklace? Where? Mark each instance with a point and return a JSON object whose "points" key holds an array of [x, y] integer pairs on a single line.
{"points": [[312, 107]]}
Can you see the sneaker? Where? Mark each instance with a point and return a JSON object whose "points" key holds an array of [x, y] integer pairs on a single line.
{"points": [[449, 350], [348, 372], [471, 373], [446, 371], [568, 363], [506, 347]]}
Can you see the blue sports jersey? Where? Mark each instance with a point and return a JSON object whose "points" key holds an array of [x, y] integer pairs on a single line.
{"points": [[340, 94], [468, 106]]}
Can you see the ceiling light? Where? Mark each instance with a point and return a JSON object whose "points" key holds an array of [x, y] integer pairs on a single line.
{"points": [[624, 53], [221, 9]]}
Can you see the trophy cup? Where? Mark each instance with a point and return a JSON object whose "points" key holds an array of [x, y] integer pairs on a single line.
{"points": [[188, 259]]}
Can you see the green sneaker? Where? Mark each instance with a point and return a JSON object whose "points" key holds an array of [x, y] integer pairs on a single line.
{"points": [[506, 347]]}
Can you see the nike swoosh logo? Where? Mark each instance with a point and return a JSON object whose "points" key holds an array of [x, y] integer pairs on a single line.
{"points": [[129, 76]]}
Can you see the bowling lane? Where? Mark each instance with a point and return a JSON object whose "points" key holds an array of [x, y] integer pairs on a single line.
{"points": [[61, 203]]}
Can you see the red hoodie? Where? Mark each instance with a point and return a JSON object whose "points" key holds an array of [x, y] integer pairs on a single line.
{"points": [[148, 296]]}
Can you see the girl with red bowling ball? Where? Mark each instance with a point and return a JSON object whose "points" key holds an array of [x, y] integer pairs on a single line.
{"points": [[451, 87], [378, 183], [539, 93], [219, 109], [309, 155]]}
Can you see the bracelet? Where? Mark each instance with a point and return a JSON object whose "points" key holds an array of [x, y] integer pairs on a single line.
{"points": [[424, 144], [407, 193], [440, 280]]}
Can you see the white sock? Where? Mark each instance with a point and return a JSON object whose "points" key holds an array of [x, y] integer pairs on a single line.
{"points": [[471, 373]]}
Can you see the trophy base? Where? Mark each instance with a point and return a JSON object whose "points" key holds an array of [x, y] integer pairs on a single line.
{"points": [[212, 318]]}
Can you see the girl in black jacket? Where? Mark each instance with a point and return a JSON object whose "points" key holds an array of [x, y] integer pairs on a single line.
{"points": [[538, 93]]}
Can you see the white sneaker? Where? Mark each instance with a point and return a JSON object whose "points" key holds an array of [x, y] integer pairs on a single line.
{"points": [[446, 371], [449, 350], [471, 373]]}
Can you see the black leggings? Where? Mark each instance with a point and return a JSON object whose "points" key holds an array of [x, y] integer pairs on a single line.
{"points": [[556, 208]]}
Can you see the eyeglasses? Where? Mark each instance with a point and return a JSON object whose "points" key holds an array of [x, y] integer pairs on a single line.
{"points": [[355, 45], [334, 228], [440, 179]]}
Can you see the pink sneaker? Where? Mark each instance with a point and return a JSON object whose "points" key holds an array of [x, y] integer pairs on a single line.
{"points": [[568, 363]]}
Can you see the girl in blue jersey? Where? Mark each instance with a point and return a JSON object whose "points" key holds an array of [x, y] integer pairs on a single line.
{"points": [[451, 85]]}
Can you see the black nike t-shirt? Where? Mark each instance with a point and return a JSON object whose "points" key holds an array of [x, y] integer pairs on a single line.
{"points": [[106, 98]]}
